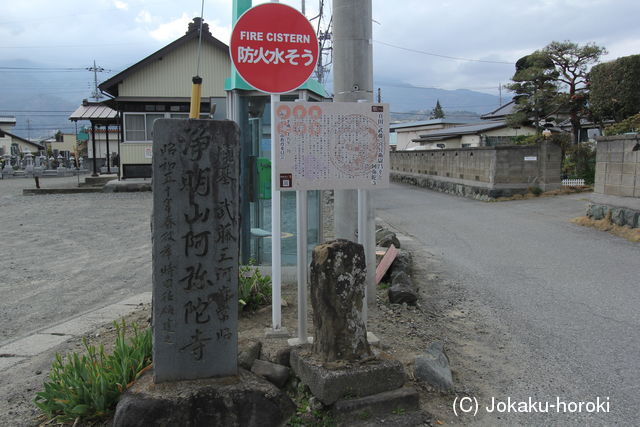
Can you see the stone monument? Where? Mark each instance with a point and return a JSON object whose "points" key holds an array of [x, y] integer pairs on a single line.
{"points": [[338, 273], [8, 169], [340, 368], [196, 216], [195, 249], [28, 160]]}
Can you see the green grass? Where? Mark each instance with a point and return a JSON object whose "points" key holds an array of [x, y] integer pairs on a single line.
{"points": [[87, 386]]}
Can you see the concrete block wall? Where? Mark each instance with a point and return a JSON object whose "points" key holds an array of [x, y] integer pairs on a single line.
{"points": [[513, 168], [618, 166]]}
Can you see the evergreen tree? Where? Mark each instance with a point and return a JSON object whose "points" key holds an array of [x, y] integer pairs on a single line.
{"points": [[437, 112], [572, 61], [535, 90], [614, 88]]}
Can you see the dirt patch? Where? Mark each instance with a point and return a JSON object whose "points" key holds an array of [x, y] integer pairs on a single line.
{"points": [[631, 234], [560, 192]]}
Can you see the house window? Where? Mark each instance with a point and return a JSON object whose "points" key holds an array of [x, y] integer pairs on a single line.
{"points": [[134, 127], [150, 119], [138, 127]]}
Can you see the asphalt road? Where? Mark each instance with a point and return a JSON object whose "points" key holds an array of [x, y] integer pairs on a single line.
{"points": [[568, 296]]}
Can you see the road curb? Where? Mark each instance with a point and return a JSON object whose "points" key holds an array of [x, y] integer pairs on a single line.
{"points": [[46, 339]]}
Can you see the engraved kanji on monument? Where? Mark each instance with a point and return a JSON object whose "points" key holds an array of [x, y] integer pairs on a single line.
{"points": [[195, 248]]}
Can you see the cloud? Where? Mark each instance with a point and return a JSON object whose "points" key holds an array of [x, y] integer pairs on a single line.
{"points": [[143, 17], [120, 5], [172, 29], [221, 32]]}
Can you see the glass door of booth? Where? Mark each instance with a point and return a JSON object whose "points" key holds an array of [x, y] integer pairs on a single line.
{"points": [[256, 131]]}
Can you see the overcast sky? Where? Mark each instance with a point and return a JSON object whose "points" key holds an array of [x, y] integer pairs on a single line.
{"points": [[488, 35]]}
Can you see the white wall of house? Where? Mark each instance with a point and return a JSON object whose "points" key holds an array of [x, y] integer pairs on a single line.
{"points": [[5, 144], [406, 135], [474, 140], [171, 76]]}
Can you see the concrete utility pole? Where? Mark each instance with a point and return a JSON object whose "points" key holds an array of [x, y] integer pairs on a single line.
{"points": [[353, 81]]}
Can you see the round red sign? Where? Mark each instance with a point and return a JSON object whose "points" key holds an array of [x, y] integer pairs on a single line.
{"points": [[274, 48]]}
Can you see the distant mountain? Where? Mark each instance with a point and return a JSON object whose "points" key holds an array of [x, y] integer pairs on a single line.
{"points": [[41, 97], [407, 98]]}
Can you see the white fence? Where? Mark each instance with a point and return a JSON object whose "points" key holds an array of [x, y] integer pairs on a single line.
{"points": [[572, 182]]}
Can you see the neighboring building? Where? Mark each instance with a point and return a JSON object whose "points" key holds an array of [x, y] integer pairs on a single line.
{"points": [[103, 133], [490, 133], [7, 123], [589, 131], [61, 142], [159, 86], [501, 112], [8, 139], [406, 133]]}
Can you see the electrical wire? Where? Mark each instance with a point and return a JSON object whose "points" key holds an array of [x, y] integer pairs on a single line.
{"points": [[443, 56]]}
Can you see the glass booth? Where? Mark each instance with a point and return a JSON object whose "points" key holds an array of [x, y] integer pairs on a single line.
{"points": [[252, 111]]}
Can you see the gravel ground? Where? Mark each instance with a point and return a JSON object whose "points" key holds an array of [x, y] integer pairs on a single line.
{"points": [[63, 255]]}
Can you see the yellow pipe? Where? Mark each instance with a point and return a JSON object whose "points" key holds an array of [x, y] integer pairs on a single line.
{"points": [[196, 92]]}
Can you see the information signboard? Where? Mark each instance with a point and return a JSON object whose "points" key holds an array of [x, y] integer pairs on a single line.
{"points": [[331, 145]]}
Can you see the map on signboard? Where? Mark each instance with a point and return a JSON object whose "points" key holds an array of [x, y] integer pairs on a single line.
{"points": [[338, 145]]}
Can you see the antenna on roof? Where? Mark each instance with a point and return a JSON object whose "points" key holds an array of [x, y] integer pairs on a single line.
{"points": [[196, 87], [96, 94]]}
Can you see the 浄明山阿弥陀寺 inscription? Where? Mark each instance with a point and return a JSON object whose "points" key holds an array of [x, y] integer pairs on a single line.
{"points": [[195, 248]]}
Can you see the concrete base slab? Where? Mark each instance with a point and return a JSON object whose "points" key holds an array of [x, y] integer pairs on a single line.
{"points": [[77, 190], [276, 333], [294, 342], [404, 399], [330, 382], [34, 344], [99, 180], [242, 400], [128, 186]]}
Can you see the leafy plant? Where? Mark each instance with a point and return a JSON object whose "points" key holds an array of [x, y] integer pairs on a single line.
{"points": [[254, 288], [630, 124], [305, 415], [580, 162], [535, 190], [88, 386]]}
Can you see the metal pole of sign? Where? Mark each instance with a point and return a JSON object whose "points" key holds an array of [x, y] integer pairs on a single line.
{"points": [[276, 247], [362, 239], [301, 231]]}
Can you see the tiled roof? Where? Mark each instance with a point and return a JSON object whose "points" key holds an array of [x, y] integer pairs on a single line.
{"points": [[441, 134], [95, 112]]}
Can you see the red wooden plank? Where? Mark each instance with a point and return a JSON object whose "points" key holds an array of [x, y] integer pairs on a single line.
{"points": [[385, 263]]}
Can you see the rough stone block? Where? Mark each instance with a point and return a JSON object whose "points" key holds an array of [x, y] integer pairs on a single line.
{"points": [[617, 216], [337, 290], [597, 212], [249, 353], [433, 367], [402, 290], [386, 403], [274, 373], [242, 400], [631, 218], [357, 379]]}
